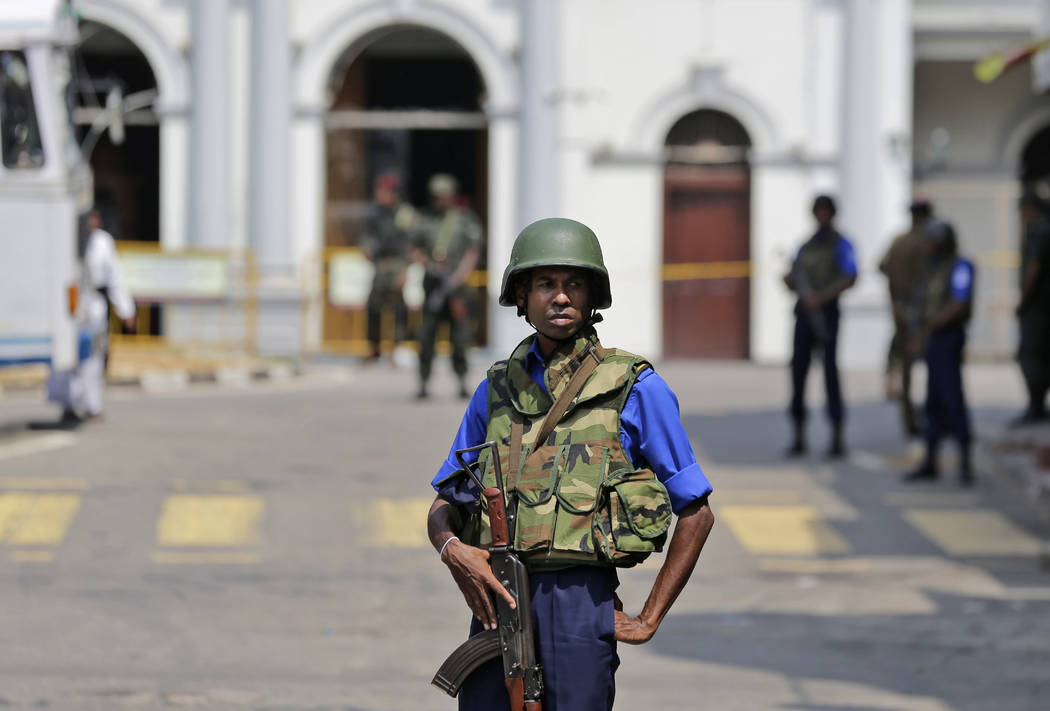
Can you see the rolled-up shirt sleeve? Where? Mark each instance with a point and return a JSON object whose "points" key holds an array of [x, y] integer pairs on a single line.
{"points": [[651, 432]]}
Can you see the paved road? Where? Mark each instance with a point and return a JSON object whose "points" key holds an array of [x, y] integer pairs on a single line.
{"points": [[263, 547]]}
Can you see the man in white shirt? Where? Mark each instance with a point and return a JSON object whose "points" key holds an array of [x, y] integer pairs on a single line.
{"points": [[80, 391]]}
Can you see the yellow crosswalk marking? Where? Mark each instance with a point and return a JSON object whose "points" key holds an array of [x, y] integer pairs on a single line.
{"points": [[36, 519], [793, 530], [399, 523], [973, 532], [217, 520]]}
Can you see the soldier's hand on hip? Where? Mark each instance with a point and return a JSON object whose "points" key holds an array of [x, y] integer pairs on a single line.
{"points": [[470, 569], [632, 630]]}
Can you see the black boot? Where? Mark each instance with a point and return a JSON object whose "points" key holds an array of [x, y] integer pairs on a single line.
{"points": [[927, 471], [798, 446], [837, 450], [965, 467], [464, 394]]}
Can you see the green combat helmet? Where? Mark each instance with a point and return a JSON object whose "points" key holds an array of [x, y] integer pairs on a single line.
{"points": [[557, 242]]}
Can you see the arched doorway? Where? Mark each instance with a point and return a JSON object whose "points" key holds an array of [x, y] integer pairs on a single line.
{"points": [[706, 244], [126, 175], [410, 103]]}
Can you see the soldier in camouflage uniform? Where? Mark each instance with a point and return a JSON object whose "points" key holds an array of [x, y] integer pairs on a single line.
{"points": [[386, 241], [902, 266], [449, 246], [596, 494], [1033, 309]]}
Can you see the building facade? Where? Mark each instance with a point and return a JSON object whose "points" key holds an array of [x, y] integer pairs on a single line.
{"points": [[691, 135]]}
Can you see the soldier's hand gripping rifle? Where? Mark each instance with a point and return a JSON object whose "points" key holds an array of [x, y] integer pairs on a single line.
{"points": [[512, 639], [805, 290]]}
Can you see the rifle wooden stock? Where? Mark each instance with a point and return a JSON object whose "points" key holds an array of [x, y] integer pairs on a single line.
{"points": [[497, 516]]}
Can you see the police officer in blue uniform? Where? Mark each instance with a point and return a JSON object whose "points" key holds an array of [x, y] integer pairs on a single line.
{"points": [[942, 306], [558, 281], [824, 268]]}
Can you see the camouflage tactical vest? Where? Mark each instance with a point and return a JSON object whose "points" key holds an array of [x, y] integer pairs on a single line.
{"points": [[818, 261], [579, 498]]}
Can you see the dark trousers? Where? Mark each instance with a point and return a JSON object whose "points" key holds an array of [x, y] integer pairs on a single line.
{"points": [[572, 616], [382, 299], [459, 334], [945, 401], [1033, 355], [805, 342]]}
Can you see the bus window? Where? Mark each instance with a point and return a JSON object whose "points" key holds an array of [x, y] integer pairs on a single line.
{"points": [[20, 142]]}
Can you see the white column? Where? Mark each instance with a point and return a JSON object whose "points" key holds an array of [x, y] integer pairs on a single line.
{"points": [[505, 328], [174, 177], [897, 72], [307, 191], [538, 189], [209, 132], [860, 196], [271, 138]]}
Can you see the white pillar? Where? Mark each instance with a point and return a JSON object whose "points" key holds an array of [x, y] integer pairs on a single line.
{"points": [[859, 202], [505, 328], [209, 132], [174, 177], [271, 138], [539, 165]]}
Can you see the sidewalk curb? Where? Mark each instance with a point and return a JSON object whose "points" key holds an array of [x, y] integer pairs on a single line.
{"points": [[172, 379]]}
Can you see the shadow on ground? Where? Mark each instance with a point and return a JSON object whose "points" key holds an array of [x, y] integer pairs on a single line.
{"points": [[944, 655]]}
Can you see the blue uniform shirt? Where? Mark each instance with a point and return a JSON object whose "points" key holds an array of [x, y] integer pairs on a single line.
{"points": [[962, 280], [651, 433]]}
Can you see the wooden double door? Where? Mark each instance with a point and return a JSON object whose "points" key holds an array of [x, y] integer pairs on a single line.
{"points": [[706, 273]]}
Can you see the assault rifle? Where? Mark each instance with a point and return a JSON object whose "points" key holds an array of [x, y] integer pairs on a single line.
{"points": [[513, 638], [804, 290]]}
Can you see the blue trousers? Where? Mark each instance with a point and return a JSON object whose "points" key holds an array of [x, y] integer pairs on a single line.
{"points": [[804, 343], [945, 401], [572, 617]]}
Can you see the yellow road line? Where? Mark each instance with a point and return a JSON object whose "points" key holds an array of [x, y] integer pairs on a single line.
{"points": [[216, 520], [973, 532], [32, 556], [206, 557], [791, 530], [36, 519], [399, 523], [43, 483]]}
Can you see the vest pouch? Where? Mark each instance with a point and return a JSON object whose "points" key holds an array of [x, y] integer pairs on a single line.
{"points": [[635, 516], [534, 529], [579, 487]]}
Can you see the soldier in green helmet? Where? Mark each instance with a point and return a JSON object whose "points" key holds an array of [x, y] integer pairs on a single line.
{"points": [[449, 246], [594, 495]]}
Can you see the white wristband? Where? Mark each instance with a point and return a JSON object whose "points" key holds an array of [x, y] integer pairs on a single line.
{"points": [[443, 547]]}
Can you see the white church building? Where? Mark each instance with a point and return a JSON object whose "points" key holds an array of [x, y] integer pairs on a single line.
{"points": [[692, 135]]}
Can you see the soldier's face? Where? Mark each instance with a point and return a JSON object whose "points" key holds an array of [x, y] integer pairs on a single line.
{"points": [[823, 215], [557, 301]]}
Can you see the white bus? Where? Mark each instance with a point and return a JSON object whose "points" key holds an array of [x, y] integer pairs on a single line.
{"points": [[44, 186]]}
